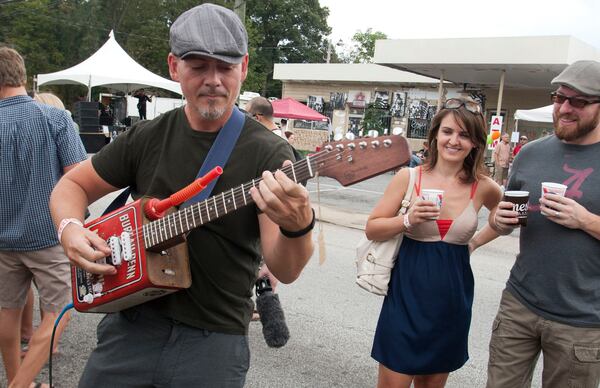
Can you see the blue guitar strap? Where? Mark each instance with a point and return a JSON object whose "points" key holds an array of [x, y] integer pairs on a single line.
{"points": [[217, 156], [219, 153]]}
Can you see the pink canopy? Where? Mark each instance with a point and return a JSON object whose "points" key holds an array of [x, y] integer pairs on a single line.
{"points": [[289, 108]]}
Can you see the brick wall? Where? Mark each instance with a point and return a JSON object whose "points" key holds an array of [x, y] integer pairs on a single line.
{"points": [[308, 139]]}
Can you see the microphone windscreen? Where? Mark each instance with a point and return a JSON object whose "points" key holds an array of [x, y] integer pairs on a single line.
{"points": [[275, 329]]}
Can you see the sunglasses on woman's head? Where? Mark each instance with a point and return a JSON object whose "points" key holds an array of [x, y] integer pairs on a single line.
{"points": [[575, 102], [455, 103]]}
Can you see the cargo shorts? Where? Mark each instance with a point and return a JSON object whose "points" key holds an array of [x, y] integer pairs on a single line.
{"points": [[571, 354]]}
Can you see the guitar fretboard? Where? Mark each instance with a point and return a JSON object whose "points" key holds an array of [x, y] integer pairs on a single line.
{"points": [[184, 220]]}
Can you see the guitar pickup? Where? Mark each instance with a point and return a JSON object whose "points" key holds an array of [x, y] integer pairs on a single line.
{"points": [[126, 246], [115, 250]]}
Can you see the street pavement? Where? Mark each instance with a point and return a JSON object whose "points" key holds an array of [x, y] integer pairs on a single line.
{"points": [[331, 320]]}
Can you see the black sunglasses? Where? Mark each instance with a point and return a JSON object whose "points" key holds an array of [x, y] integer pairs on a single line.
{"points": [[575, 102], [455, 103]]}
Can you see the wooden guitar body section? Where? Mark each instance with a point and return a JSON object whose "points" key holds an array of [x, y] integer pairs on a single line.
{"points": [[151, 257]]}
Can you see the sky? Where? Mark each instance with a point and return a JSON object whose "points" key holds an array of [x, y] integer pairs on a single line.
{"points": [[414, 19]]}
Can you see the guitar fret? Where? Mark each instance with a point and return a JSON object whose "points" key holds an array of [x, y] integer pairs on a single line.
{"points": [[310, 172], [224, 203], [216, 210], [207, 211], [160, 231], [153, 233], [180, 223], [294, 174], [145, 235], [244, 194], [200, 213], [168, 222], [187, 224], [171, 224], [234, 201]]}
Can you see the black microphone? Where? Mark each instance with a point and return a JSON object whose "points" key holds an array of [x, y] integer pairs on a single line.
{"points": [[269, 308]]}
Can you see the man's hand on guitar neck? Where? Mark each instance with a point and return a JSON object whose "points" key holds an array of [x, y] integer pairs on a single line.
{"points": [[282, 200], [83, 247], [285, 225]]}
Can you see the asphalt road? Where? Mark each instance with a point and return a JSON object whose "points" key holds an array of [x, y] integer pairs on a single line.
{"points": [[331, 320]]}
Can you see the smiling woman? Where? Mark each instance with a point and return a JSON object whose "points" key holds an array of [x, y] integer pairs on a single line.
{"points": [[431, 287]]}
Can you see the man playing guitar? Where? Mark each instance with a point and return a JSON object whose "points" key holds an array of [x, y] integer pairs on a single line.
{"points": [[196, 336]]}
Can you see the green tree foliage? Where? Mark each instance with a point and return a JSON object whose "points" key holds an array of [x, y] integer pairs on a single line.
{"points": [[56, 34], [364, 46], [374, 118], [283, 31]]}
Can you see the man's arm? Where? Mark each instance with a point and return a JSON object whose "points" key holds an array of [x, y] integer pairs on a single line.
{"points": [[284, 204], [69, 200]]}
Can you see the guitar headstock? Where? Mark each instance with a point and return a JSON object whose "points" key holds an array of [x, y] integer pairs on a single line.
{"points": [[352, 161]]}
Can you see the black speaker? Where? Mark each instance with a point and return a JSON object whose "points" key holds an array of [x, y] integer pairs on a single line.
{"points": [[93, 142]]}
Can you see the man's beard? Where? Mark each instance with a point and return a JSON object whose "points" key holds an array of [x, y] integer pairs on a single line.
{"points": [[582, 128], [213, 111]]}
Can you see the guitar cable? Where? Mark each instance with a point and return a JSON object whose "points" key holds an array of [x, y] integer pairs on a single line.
{"points": [[62, 313]]}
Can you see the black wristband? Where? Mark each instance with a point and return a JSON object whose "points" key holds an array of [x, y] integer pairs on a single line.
{"points": [[301, 232]]}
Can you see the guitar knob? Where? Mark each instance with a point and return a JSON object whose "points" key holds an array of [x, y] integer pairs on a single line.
{"points": [[339, 147], [387, 143], [375, 143], [351, 146], [362, 144]]}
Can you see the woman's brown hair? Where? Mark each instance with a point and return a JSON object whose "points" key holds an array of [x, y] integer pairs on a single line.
{"points": [[474, 124]]}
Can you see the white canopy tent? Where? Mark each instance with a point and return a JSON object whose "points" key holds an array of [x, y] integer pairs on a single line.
{"points": [[543, 114], [111, 67]]}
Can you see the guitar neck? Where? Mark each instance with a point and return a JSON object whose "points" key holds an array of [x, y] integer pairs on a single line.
{"points": [[348, 162], [178, 223]]}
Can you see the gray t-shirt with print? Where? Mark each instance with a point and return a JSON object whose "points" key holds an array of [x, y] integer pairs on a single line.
{"points": [[557, 271]]}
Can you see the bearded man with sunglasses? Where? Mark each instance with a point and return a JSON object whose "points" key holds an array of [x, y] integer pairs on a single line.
{"points": [[551, 303]]}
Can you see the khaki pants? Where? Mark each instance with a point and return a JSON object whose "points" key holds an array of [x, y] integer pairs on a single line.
{"points": [[571, 354]]}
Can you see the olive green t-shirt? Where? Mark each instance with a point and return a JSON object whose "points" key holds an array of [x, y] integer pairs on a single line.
{"points": [[159, 157]]}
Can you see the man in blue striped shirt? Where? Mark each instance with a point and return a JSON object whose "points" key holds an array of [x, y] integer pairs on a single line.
{"points": [[38, 144]]}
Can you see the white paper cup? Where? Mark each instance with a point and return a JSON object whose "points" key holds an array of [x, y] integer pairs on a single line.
{"points": [[435, 196], [553, 188]]}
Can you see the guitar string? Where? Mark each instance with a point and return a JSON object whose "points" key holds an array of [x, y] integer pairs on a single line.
{"points": [[239, 193]]}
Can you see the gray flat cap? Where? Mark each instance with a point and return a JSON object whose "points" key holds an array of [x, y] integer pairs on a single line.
{"points": [[209, 30], [582, 76]]}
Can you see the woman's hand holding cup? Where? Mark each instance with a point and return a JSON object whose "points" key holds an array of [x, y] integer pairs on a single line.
{"points": [[422, 211]]}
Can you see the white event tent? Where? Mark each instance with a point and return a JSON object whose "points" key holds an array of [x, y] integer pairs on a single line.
{"points": [[543, 114], [110, 67]]}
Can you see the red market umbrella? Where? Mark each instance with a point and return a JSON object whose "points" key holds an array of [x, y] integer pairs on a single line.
{"points": [[288, 108]]}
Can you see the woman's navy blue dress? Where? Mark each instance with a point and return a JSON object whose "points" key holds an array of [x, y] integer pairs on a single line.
{"points": [[423, 326]]}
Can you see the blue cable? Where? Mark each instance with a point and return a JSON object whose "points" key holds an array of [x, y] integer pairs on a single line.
{"points": [[64, 310]]}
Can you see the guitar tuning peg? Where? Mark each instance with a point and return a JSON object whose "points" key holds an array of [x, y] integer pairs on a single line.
{"points": [[340, 147], [349, 159], [362, 144], [387, 143], [375, 143], [351, 146], [328, 147]]}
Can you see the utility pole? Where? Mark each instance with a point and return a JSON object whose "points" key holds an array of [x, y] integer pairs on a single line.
{"points": [[239, 8]]}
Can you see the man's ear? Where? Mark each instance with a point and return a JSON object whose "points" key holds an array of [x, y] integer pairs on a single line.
{"points": [[172, 61], [244, 67]]}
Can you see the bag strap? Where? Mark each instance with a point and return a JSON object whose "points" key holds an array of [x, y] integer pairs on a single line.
{"points": [[409, 191]]}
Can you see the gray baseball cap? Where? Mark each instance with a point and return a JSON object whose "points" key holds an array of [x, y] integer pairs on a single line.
{"points": [[209, 30], [582, 76]]}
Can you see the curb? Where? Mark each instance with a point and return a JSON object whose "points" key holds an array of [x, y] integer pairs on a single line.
{"points": [[341, 217]]}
